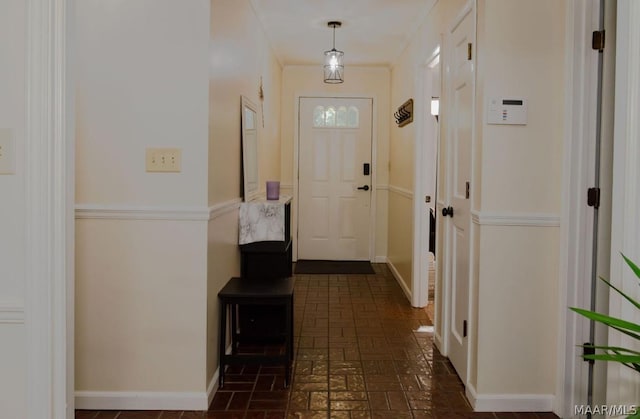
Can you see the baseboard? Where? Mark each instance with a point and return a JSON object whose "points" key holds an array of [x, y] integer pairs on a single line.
{"points": [[380, 259], [437, 340], [212, 388], [399, 279], [129, 400], [509, 402]]}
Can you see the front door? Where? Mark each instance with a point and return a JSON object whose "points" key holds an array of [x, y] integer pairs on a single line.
{"points": [[334, 184], [459, 176]]}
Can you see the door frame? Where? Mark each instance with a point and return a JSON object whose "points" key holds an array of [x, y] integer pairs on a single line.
{"points": [[576, 226], [425, 132], [469, 7], [623, 386], [50, 200], [374, 165]]}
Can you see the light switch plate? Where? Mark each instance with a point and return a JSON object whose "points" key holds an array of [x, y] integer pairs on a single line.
{"points": [[163, 160], [7, 152]]}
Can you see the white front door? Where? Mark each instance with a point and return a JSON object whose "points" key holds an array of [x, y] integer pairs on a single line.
{"points": [[334, 189], [459, 175]]}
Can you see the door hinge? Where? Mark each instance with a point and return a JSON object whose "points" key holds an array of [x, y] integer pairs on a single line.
{"points": [[597, 40], [464, 328], [466, 193], [588, 349], [593, 197], [469, 51]]}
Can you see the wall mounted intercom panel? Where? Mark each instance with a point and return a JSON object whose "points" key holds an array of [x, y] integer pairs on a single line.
{"points": [[511, 111]]}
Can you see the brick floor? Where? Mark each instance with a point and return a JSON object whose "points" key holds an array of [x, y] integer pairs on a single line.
{"points": [[358, 355]]}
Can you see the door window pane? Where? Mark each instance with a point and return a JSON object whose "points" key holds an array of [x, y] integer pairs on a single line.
{"points": [[318, 116], [353, 117]]}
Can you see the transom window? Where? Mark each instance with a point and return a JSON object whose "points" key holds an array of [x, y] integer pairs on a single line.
{"points": [[336, 117]]}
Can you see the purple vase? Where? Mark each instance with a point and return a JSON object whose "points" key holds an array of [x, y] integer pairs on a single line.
{"points": [[273, 190]]}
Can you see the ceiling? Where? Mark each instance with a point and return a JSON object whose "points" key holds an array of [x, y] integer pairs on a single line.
{"points": [[373, 32]]}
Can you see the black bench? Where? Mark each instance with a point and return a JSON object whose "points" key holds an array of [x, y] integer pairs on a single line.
{"points": [[273, 292]]}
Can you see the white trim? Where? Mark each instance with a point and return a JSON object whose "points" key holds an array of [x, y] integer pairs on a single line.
{"points": [[514, 219], [380, 259], [49, 186], [382, 187], [167, 213], [399, 279], [222, 208], [212, 388], [470, 8], [286, 185], [401, 191], [147, 400], [623, 386], [576, 224], [509, 402], [11, 312], [425, 163]]}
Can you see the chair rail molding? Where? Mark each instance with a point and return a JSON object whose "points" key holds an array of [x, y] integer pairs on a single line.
{"points": [[401, 191], [155, 212], [515, 219]]}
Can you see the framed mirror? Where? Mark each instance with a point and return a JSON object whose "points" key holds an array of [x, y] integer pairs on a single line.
{"points": [[249, 139]]}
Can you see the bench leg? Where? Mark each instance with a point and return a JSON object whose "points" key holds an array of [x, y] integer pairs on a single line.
{"points": [[288, 340], [221, 342]]}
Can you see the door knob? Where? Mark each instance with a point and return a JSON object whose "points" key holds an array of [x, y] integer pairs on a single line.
{"points": [[364, 188], [447, 211]]}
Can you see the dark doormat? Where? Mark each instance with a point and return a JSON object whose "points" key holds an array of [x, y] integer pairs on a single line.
{"points": [[333, 267]]}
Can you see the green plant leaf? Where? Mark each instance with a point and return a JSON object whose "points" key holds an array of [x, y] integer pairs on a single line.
{"points": [[635, 415], [631, 300], [608, 320], [611, 348], [623, 359], [632, 265], [626, 332]]}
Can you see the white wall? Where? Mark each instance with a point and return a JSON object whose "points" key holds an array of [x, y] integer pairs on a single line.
{"points": [[240, 58], [405, 84], [141, 305], [154, 249], [141, 240], [141, 82], [12, 209], [517, 176], [360, 82], [519, 170]]}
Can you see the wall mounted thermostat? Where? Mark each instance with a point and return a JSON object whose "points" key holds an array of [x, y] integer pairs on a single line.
{"points": [[507, 112]]}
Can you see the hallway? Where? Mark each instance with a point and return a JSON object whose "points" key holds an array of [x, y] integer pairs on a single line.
{"points": [[358, 355]]}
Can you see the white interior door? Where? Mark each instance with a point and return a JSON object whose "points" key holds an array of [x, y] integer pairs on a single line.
{"points": [[334, 191], [460, 119]]}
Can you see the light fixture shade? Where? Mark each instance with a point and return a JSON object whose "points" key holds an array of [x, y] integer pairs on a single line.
{"points": [[333, 66]]}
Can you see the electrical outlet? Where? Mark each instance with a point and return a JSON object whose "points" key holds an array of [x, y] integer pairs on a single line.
{"points": [[7, 152], [163, 159]]}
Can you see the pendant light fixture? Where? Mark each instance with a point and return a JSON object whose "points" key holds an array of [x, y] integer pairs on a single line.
{"points": [[333, 66]]}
